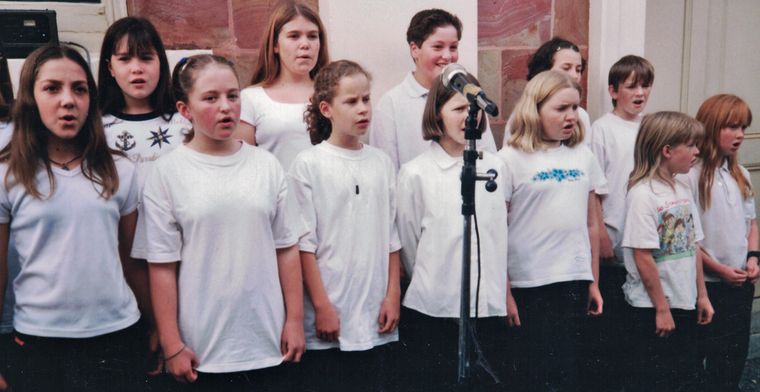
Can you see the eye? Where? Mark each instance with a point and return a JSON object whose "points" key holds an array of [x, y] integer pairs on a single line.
{"points": [[233, 96], [438, 47], [314, 35], [147, 57], [209, 98], [123, 58], [51, 88], [82, 90], [365, 99]]}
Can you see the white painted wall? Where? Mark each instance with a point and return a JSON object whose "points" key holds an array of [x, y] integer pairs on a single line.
{"points": [[373, 33]]}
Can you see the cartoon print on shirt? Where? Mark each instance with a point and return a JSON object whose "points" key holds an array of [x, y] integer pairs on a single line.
{"points": [[676, 231], [558, 175]]}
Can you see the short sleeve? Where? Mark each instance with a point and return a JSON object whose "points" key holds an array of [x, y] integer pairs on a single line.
{"points": [[395, 240], [163, 234], [301, 187], [597, 179], [507, 175], [409, 213], [749, 203], [597, 144], [128, 179], [640, 221], [286, 227]]}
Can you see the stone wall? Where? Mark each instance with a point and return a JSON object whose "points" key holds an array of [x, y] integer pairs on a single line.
{"points": [[235, 31], [509, 31]]}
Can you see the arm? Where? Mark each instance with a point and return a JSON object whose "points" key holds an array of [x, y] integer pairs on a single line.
{"points": [[753, 243], [732, 276], [651, 278], [163, 288], [595, 301], [292, 343], [136, 274], [704, 307], [606, 251], [390, 309], [326, 320], [245, 132], [513, 316], [4, 238]]}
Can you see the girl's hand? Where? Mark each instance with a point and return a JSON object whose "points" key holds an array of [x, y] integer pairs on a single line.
{"points": [[753, 272], [292, 342], [327, 323], [705, 311], [595, 301], [733, 276], [390, 311], [181, 363], [664, 323], [513, 316]]}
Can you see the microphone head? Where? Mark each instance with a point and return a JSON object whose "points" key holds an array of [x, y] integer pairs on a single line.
{"points": [[450, 71]]}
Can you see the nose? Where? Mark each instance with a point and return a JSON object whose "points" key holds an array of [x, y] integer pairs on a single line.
{"points": [[575, 74], [447, 55], [67, 97], [134, 65]]}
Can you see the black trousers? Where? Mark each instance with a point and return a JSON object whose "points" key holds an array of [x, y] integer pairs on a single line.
{"points": [[607, 336], [428, 356], [724, 342], [110, 362], [333, 370], [548, 348], [663, 363]]}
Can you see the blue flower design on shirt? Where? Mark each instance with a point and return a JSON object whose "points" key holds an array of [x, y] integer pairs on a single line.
{"points": [[558, 175]]}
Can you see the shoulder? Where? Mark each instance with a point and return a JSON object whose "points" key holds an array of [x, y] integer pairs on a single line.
{"points": [[393, 96], [252, 93], [745, 173], [379, 154]]}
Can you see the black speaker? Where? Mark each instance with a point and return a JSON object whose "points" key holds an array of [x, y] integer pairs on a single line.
{"points": [[23, 31]]}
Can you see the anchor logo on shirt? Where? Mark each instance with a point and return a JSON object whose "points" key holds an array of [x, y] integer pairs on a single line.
{"points": [[127, 141]]}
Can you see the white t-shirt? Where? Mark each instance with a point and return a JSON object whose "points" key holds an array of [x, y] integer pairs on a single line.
{"points": [[223, 217], [548, 194], [664, 220], [6, 320], [397, 123], [612, 142], [71, 283], [144, 138], [280, 128], [727, 222], [430, 225], [347, 199], [582, 116]]}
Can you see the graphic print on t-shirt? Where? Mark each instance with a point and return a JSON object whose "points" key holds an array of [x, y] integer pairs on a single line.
{"points": [[675, 227], [558, 175], [126, 141], [159, 138]]}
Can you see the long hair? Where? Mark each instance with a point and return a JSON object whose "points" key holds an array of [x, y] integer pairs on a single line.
{"points": [[432, 123], [657, 131], [186, 72], [527, 130], [268, 65], [28, 148], [142, 37], [325, 87], [6, 88], [718, 112]]}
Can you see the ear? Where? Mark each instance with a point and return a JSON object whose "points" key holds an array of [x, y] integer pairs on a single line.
{"points": [[414, 51], [184, 110], [667, 151], [325, 109], [276, 48], [110, 70], [613, 91]]}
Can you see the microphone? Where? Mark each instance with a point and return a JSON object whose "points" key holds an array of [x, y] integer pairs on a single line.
{"points": [[454, 76]]}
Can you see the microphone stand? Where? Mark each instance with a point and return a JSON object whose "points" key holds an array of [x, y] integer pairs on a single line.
{"points": [[469, 177]]}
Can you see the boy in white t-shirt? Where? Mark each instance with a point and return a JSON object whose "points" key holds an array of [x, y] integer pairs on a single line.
{"points": [[613, 137]]}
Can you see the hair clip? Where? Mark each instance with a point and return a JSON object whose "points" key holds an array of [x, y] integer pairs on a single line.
{"points": [[182, 63]]}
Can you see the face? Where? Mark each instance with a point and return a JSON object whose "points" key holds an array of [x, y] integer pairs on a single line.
{"points": [[350, 109], [213, 104], [136, 76], [569, 62], [298, 46], [679, 159], [559, 116], [631, 98], [730, 139], [439, 50], [453, 115], [62, 97]]}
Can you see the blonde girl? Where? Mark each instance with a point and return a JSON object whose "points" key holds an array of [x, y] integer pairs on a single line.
{"points": [[665, 283], [553, 242]]}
